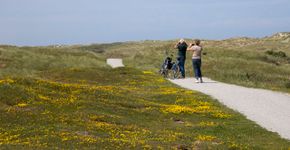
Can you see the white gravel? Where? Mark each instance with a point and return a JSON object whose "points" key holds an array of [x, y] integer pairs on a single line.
{"points": [[269, 109], [115, 62]]}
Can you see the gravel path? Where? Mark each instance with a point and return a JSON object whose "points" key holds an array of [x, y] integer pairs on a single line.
{"points": [[269, 109], [115, 62]]}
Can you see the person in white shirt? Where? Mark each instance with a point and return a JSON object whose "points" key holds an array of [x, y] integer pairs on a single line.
{"points": [[196, 59]]}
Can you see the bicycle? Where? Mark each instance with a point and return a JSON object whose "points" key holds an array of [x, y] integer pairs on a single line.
{"points": [[169, 68]]}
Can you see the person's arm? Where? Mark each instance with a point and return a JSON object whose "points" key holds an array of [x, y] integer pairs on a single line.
{"points": [[176, 45], [190, 47]]}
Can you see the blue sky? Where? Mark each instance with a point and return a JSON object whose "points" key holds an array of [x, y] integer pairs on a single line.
{"points": [[46, 22]]}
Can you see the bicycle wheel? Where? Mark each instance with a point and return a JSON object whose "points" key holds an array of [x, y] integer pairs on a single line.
{"points": [[176, 71], [164, 72]]}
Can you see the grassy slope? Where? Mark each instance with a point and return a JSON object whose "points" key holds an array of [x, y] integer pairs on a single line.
{"points": [[237, 61], [68, 98]]}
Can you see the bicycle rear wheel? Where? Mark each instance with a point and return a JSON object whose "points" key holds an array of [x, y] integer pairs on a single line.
{"points": [[176, 71]]}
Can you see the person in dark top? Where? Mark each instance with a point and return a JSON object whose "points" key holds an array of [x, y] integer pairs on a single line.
{"points": [[181, 55]]}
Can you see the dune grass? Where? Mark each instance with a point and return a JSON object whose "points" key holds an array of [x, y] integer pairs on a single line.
{"points": [[28, 61]]}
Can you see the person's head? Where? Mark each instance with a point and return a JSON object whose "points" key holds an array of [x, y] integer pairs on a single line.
{"points": [[181, 41], [197, 42]]}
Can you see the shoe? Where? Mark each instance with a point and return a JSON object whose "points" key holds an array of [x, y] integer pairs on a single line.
{"points": [[196, 81], [200, 80]]}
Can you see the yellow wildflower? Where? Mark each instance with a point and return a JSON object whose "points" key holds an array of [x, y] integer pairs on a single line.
{"points": [[233, 145], [221, 115], [177, 109], [21, 105], [209, 124], [188, 92], [45, 112], [148, 72], [167, 91], [43, 97], [7, 81], [205, 138], [65, 139], [160, 80]]}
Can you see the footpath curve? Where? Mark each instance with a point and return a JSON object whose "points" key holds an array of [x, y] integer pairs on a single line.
{"points": [[269, 109]]}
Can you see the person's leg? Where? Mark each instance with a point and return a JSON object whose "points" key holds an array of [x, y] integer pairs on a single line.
{"points": [[181, 66], [195, 68], [199, 70]]}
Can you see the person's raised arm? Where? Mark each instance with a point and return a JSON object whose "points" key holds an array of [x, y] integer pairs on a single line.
{"points": [[176, 45], [190, 47]]}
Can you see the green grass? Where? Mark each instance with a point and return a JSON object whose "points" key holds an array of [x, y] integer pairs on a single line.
{"points": [[68, 98]]}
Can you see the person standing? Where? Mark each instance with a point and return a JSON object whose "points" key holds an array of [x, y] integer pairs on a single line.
{"points": [[196, 60], [181, 55]]}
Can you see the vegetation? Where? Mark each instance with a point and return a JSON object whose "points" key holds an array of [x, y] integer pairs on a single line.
{"points": [[260, 63], [68, 98]]}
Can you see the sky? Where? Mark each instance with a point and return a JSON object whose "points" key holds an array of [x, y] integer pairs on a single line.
{"points": [[50, 22]]}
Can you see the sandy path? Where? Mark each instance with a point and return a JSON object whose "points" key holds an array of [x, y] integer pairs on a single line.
{"points": [[115, 62], [269, 109]]}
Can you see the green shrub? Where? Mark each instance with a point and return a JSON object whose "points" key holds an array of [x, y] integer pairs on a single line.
{"points": [[287, 85], [276, 54]]}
